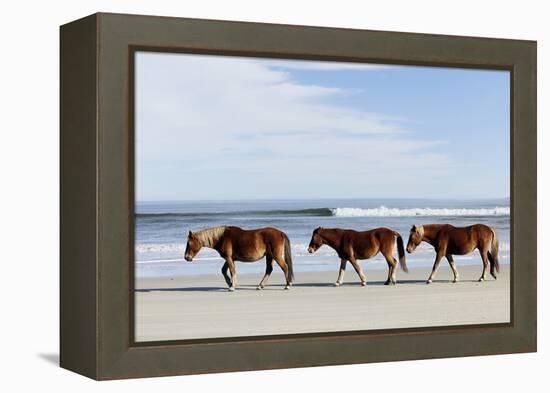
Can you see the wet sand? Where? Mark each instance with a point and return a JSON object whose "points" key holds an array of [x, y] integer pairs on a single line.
{"points": [[175, 308]]}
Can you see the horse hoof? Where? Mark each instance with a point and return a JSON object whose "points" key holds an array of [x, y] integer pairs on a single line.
{"points": [[230, 289], [363, 283], [387, 283], [481, 279], [259, 287], [429, 282], [455, 281], [337, 284], [287, 287], [494, 276]]}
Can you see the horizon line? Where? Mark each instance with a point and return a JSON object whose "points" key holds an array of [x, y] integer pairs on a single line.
{"points": [[319, 199]]}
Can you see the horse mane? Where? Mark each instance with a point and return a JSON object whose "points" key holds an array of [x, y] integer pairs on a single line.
{"points": [[209, 236]]}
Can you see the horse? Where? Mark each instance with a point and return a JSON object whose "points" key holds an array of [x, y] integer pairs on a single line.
{"points": [[236, 244], [353, 245], [448, 240]]}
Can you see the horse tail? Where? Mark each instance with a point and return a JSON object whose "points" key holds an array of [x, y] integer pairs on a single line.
{"points": [[288, 257], [401, 253], [494, 249]]}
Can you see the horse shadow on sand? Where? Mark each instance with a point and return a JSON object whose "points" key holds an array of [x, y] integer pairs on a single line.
{"points": [[250, 287], [187, 289]]}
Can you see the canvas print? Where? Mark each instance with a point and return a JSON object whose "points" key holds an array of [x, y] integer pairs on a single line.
{"points": [[277, 197]]}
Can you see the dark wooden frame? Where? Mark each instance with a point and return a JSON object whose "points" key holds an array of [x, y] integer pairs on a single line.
{"points": [[97, 196]]}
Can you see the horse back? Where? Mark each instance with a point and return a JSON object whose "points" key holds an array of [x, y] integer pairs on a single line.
{"points": [[463, 240], [251, 244], [366, 244], [232, 231]]}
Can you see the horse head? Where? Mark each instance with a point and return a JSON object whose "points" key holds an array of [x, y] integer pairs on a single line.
{"points": [[415, 237], [316, 241], [193, 247]]}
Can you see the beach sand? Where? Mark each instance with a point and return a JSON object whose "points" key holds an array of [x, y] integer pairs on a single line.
{"points": [[175, 308]]}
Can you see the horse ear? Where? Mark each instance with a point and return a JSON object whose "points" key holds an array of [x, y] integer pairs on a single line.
{"points": [[190, 234], [413, 228]]}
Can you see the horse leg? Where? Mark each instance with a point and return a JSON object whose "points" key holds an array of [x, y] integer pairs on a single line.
{"points": [[435, 267], [268, 270], [284, 267], [492, 262], [388, 280], [358, 270], [225, 276], [341, 273], [485, 261], [394, 270], [233, 272], [453, 266], [392, 267], [391, 272]]}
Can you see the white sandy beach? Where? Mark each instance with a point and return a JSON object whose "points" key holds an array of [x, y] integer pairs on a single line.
{"points": [[201, 307]]}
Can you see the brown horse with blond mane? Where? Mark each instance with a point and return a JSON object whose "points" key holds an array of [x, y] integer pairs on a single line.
{"points": [[448, 240], [236, 244], [353, 245]]}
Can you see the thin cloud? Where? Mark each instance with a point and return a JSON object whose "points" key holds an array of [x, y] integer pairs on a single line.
{"points": [[326, 65], [207, 123]]}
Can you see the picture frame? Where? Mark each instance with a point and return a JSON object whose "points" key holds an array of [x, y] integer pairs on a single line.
{"points": [[97, 196]]}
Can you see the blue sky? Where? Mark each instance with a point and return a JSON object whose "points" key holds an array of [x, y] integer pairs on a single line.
{"points": [[212, 127]]}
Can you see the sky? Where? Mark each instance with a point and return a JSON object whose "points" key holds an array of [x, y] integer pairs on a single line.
{"points": [[220, 127]]}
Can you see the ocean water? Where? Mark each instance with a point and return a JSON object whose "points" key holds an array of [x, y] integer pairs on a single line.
{"points": [[162, 228]]}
